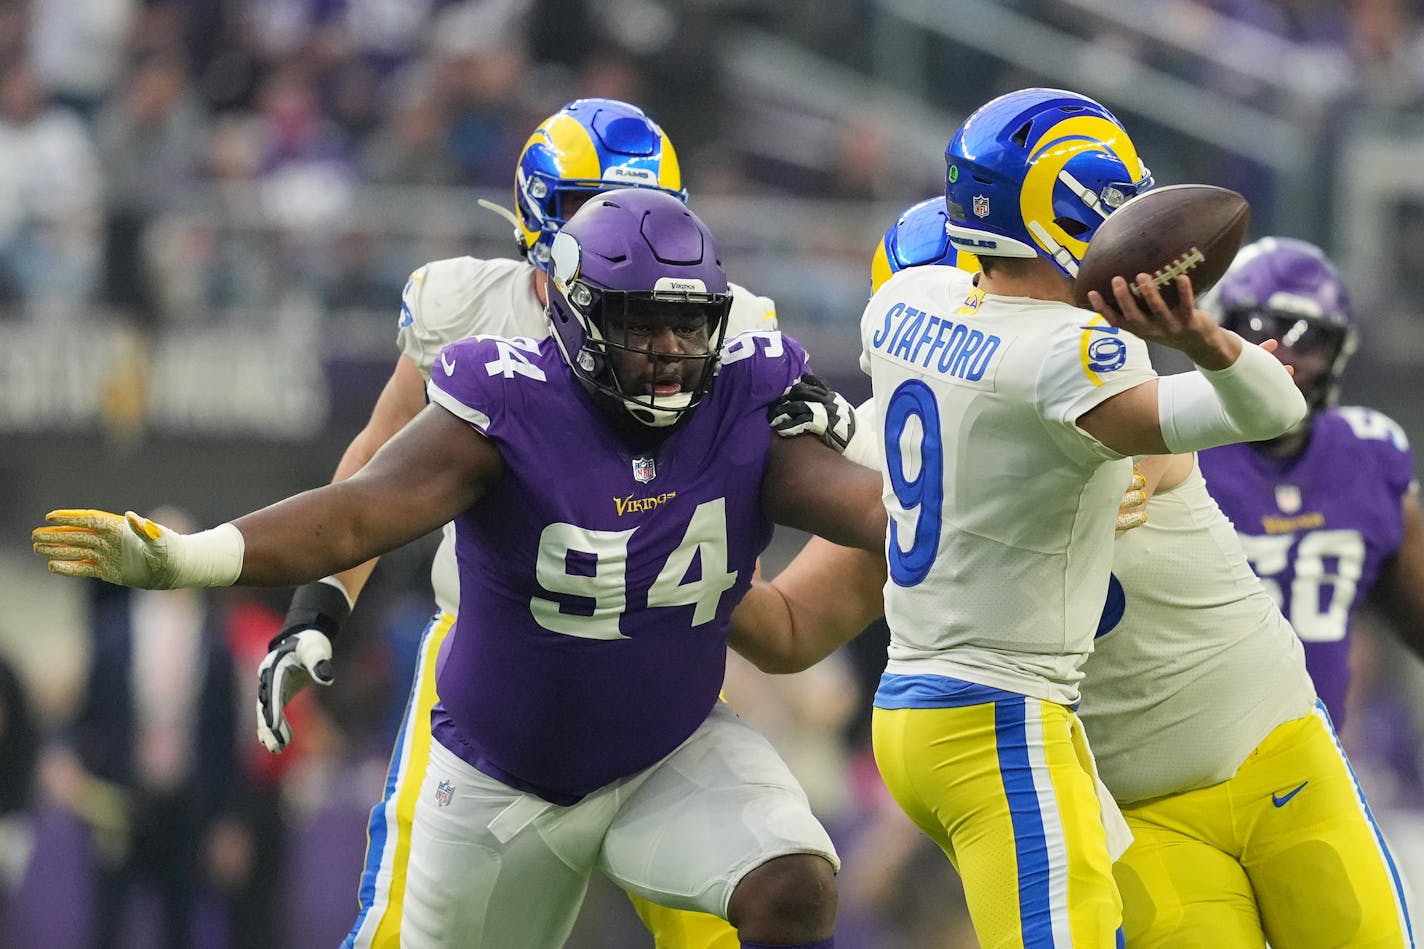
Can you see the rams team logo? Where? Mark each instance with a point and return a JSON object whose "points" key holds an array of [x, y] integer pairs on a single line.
{"points": [[981, 206], [644, 470], [444, 793], [1106, 353]]}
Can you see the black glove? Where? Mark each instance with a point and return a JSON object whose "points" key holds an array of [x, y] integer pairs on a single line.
{"points": [[298, 655], [810, 407]]}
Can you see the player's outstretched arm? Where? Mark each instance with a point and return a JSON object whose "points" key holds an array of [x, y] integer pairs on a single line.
{"points": [[808, 486], [1401, 584], [435, 468], [823, 599]]}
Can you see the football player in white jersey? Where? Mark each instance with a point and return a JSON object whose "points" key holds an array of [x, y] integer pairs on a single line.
{"points": [[1247, 822], [1009, 417], [587, 147]]}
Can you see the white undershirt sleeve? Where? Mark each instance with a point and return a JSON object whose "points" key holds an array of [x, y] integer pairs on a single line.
{"points": [[1251, 400]]}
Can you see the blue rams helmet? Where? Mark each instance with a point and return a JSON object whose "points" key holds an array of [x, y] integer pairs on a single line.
{"points": [[630, 263], [1286, 289], [1035, 172], [587, 147], [917, 237]]}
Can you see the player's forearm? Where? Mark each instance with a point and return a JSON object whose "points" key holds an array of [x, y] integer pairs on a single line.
{"points": [[763, 630], [1252, 399], [319, 533], [822, 600], [1401, 585]]}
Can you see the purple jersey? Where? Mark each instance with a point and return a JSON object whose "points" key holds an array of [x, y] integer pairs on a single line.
{"points": [[1317, 528], [597, 577]]}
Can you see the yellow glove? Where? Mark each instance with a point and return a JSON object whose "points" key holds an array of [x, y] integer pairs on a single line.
{"points": [[1132, 509], [133, 551]]}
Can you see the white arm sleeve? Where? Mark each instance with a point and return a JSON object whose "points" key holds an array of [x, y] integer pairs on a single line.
{"points": [[1251, 400]]}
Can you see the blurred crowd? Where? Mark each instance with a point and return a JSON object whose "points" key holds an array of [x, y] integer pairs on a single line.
{"points": [[149, 144], [140, 811]]}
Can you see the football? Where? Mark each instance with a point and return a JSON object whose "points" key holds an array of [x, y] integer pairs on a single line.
{"points": [[1187, 229]]}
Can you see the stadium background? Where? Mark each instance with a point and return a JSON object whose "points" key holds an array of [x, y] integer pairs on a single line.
{"points": [[208, 209]]}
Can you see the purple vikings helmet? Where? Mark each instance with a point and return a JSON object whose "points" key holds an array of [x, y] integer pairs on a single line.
{"points": [[636, 256], [1287, 289], [1034, 173], [587, 147]]}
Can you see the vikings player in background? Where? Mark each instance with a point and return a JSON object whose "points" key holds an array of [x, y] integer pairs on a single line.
{"points": [[1329, 510]]}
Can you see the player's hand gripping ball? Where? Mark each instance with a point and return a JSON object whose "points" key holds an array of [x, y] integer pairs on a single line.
{"points": [[1179, 229]]}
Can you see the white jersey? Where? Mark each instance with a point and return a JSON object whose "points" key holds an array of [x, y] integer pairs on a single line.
{"points": [[449, 300], [1201, 667], [1001, 507]]}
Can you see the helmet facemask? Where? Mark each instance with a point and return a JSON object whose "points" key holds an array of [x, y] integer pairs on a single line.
{"points": [[1287, 289], [1305, 340], [650, 353]]}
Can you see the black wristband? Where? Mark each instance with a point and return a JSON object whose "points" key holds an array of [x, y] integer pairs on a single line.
{"points": [[315, 605]]}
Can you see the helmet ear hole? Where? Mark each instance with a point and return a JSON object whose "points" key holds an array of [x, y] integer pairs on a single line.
{"points": [[1071, 226]]}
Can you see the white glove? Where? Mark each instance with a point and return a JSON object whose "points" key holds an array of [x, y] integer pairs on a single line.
{"points": [[296, 660], [299, 655], [133, 551], [810, 407]]}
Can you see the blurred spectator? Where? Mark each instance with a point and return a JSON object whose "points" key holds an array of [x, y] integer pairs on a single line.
{"points": [[480, 65], [153, 768], [257, 894], [1387, 40], [19, 746], [77, 47], [410, 146], [150, 136], [50, 198]]}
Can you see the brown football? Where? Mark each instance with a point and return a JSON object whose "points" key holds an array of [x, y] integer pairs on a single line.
{"points": [[1190, 229]]}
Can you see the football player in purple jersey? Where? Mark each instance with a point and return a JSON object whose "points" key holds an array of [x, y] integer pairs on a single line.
{"points": [[612, 485], [1330, 510]]}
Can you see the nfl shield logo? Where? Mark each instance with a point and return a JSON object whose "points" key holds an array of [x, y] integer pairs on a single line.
{"points": [[1287, 498], [981, 206], [444, 792], [644, 470]]}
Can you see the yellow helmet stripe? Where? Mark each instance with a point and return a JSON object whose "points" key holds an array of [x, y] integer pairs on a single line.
{"points": [[669, 171], [1052, 152], [880, 269]]}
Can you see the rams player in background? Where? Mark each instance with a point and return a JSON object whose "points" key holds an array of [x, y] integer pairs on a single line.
{"points": [[1247, 822], [589, 146]]}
